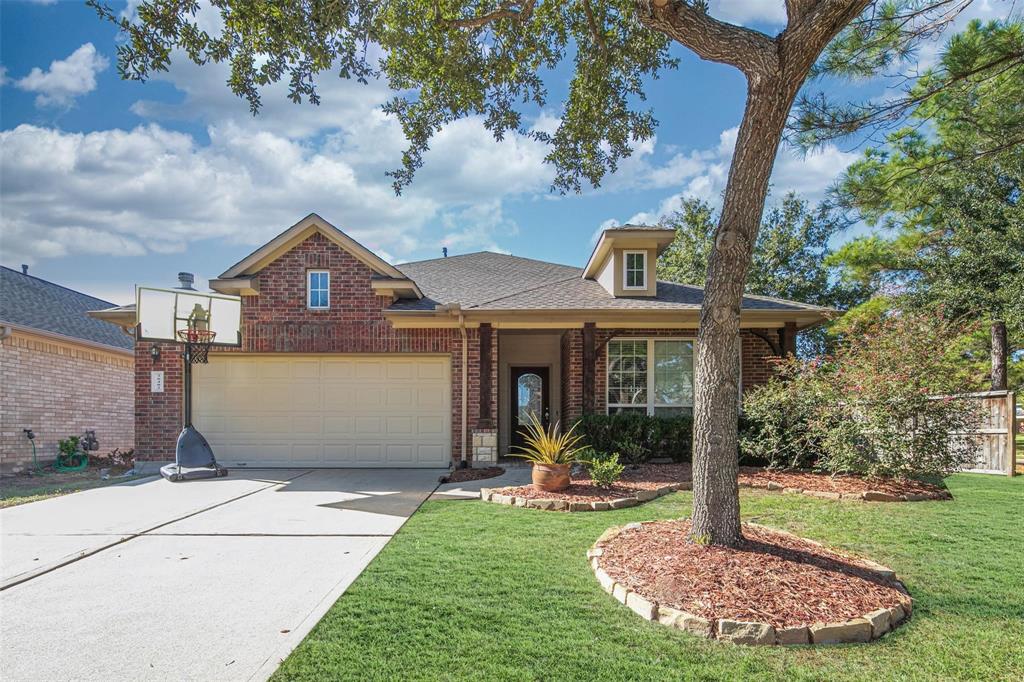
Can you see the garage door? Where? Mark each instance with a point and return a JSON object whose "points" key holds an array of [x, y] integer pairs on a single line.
{"points": [[327, 410]]}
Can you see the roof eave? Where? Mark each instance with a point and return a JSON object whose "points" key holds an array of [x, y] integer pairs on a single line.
{"points": [[45, 333]]}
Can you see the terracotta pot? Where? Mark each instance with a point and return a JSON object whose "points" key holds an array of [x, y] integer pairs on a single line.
{"points": [[550, 477]]}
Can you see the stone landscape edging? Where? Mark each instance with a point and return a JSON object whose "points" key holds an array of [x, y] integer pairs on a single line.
{"points": [[864, 496], [494, 495], [866, 628]]}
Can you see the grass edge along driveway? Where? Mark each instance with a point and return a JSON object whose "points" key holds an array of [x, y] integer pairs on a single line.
{"points": [[470, 590]]}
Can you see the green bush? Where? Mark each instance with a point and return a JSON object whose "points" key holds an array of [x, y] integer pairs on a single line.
{"points": [[881, 406], [639, 437], [605, 469]]}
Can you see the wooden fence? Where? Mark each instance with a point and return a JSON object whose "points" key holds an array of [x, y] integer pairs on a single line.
{"points": [[995, 435]]}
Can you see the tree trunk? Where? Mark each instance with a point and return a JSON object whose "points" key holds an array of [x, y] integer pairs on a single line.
{"points": [[716, 504], [999, 354]]}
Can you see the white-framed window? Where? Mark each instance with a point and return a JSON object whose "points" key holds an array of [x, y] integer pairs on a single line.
{"points": [[318, 289], [650, 376], [634, 269]]}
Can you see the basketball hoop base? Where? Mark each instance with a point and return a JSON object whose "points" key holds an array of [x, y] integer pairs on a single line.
{"points": [[193, 458]]}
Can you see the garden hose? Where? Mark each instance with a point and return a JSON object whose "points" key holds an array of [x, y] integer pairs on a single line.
{"points": [[76, 461]]}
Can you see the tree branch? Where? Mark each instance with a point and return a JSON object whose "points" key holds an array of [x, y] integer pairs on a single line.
{"points": [[797, 9], [803, 40], [594, 28], [515, 11], [750, 51]]}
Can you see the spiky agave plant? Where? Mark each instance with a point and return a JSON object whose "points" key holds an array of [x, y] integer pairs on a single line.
{"points": [[546, 445]]}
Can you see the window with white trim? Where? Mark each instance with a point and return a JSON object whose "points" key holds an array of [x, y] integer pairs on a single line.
{"points": [[634, 269], [318, 289], [650, 376]]}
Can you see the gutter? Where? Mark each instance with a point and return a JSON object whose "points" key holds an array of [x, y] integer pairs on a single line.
{"points": [[6, 329]]}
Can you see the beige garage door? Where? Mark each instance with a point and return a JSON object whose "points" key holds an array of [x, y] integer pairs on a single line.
{"points": [[325, 410]]}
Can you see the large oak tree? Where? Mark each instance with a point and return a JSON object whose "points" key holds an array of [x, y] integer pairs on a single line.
{"points": [[450, 59]]}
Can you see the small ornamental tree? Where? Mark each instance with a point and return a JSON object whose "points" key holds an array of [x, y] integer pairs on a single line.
{"points": [[882, 405]]}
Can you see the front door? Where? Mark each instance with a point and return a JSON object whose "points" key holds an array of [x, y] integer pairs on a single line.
{"points": [[529, 395]]}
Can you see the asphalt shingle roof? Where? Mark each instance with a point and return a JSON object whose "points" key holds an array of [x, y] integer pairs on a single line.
{"points": [[493, 281], [28, 301]]}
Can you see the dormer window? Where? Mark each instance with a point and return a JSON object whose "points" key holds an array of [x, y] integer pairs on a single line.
{"points": [[634, 264], [318, 289]]}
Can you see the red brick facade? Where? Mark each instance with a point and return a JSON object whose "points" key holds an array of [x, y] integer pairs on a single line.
{"points": [[278, 321], [60, 389]]}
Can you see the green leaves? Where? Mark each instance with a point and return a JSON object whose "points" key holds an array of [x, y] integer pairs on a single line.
{"points": [[446, 59], [982, 65], [871, 408], [792, 257]]}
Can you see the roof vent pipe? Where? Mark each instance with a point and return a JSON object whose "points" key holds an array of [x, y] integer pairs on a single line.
{"points": [[185, 280], [24, 269]]}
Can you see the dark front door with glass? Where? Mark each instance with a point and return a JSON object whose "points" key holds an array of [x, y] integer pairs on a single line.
{"points": [[529, 395]]}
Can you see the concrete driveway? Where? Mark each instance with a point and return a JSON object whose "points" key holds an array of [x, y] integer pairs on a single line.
{"points": [[204, 580]]}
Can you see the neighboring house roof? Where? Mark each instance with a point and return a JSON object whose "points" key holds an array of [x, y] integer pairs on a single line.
{"points": [[493, 281], [32, 303]]}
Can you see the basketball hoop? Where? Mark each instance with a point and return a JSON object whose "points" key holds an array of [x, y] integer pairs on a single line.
{"points": [[197, 343]]}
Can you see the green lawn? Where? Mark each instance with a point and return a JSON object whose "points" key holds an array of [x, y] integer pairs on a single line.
{"points": [[469, 590]]}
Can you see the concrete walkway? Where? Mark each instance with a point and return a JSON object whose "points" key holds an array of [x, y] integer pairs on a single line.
{"points": [[205, 580], [470, 490]]}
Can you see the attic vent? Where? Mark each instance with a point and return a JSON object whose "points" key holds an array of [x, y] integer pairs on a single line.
{"points": [[185, 280]]}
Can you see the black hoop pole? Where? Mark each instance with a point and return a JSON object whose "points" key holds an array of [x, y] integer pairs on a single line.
{"points": [[188, 383]]}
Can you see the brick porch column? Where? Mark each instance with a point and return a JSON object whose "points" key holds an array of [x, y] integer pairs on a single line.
{"points": [[589, 359]]}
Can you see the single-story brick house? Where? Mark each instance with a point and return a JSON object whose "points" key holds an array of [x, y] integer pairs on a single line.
{"points": [[61, 371], [347, 360]]}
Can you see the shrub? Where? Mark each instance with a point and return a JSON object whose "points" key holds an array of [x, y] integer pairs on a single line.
{"points": [[871, 408], [68, 446], [775, 428], [605, 469], [639, 437], [547, 445]]}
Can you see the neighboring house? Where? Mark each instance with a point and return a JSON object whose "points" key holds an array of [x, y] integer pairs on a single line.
{"points": [[347, 360], [61, 371]]}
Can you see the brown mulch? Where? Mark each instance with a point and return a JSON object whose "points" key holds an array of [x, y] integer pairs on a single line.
{"points": [[463, 475], [840, 483], [772, 577], [652, 476], [582, 488]]}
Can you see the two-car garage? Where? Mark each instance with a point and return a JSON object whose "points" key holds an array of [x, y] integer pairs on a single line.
{"points": [[358, 410]]}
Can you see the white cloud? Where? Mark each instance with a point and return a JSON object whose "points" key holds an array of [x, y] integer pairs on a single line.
{"points": [[156, 190], [474, 228], [66, 79], [120, 192], [703, 174]]}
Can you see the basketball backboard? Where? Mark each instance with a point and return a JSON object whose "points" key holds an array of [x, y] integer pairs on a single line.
{"points": [[162, 313]]}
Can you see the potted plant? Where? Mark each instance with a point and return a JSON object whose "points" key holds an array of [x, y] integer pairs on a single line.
{"points": [[551, 453]]}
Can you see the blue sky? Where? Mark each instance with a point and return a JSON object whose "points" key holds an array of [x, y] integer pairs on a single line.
{"points": [[107, 184]]}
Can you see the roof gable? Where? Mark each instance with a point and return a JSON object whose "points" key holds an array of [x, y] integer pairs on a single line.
{"points": [[298, 233]]}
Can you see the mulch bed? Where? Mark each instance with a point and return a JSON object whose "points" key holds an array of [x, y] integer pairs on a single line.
{"points": [[654, 476], [773, 577], [842, 485], [582, 488], [470, 474]]}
